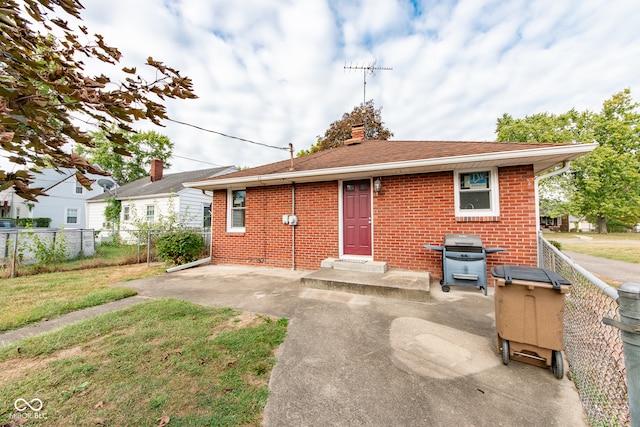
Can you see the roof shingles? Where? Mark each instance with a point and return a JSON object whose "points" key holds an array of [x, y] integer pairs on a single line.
{"points": [[379, 152]]}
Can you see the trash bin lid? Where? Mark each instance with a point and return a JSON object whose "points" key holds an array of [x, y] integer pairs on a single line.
{"points": [[531, 274]]}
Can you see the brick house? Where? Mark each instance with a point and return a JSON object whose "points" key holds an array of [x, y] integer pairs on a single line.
{"points": [[382, 201]]}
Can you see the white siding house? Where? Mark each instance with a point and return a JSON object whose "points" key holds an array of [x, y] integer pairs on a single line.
{"points": [[64, 203], [155, 197]]}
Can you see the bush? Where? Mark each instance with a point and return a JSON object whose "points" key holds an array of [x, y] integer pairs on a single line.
{"points": [[34, 222], [180, 247], [556, 244]]}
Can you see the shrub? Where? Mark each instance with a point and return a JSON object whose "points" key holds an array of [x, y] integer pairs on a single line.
{"points": [[557, 244], [34, 222], [180, 247]]}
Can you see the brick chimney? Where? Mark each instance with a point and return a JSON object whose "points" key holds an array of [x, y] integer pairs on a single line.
{"points": [[357, 135], [156, 170]]}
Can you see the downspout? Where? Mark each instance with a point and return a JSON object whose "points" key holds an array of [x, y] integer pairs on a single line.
{"points": [[565, 167], [293, 228]]}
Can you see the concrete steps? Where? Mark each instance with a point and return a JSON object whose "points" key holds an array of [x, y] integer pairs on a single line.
{"points": [[359, 279]]}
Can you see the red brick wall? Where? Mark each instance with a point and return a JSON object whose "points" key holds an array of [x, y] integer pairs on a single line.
{"points": [[266, 240], [406, 217], [411, 211]]}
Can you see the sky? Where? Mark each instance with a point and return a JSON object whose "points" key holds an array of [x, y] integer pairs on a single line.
{"points": [[273, 71]]}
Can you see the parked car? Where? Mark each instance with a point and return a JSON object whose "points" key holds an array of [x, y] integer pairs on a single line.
{"points": [[7, 223]]}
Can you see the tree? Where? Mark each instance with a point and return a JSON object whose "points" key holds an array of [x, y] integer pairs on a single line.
{"points": [[45, 92], [605, 184], [143, 148], [340, 130]]}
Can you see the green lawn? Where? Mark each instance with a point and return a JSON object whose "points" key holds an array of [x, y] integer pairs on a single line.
{"points": [[616, 246], [165, 362], [29, 299]]}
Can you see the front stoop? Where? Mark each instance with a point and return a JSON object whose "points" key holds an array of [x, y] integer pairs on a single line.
{"points": [[398, 284], [363, 266]]}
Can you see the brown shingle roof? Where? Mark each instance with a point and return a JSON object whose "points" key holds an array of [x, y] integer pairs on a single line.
{"points": [[384, 158], [379, 152]]}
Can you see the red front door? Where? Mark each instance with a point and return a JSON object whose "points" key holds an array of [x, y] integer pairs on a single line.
{"points": [[356, 207]]}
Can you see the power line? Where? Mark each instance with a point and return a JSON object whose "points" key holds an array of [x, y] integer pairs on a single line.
{"points": [[227, 136], [195, 160]]}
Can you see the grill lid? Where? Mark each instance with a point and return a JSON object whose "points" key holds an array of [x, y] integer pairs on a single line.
{"points": [[462, 240]]}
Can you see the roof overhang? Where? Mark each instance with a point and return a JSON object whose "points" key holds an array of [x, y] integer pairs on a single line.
{"points": [[543, 159]]}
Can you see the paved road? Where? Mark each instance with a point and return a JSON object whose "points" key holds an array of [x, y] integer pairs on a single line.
{"points": [[610, 271]]}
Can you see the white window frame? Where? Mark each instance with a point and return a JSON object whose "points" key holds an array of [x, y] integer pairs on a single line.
{"points": [[126, 213], [153, 213], [79, 188], [66, 215], [494, 196], [230, 210]]}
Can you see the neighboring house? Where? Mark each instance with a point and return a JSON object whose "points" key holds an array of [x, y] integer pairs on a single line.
{"points": [[152, 197], [382, 201], [64, 202]]}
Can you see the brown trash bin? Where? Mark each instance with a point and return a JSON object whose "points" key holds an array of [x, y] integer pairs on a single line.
{"points": [[529, 306]]}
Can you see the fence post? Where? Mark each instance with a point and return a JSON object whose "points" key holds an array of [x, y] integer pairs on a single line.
{"points": [[148, 248], [629, 324], [14, 260]]}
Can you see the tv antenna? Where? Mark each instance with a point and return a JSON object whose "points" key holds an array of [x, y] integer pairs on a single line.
{"points": [[371, 68]]}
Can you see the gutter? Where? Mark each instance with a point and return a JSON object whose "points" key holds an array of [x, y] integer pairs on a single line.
{"points": [[189, 265]]}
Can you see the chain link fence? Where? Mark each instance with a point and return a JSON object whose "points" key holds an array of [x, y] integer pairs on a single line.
{"points": [[142, 243], [18, 248], [593, 349]]}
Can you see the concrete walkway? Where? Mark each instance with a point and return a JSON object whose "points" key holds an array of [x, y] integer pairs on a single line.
{"points": [[355, 360]]}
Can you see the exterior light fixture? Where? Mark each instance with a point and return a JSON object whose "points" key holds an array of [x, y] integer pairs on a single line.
{"points": [[377, 186]]}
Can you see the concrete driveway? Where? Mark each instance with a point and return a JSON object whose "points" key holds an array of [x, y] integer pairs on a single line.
{"points": [[352, 360]]}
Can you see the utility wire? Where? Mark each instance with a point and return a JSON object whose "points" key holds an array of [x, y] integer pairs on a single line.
{"points": [[227, 136], [195, 160]]}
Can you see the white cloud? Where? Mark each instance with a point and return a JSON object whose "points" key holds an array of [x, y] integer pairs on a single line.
{"points": [[272, 70]]}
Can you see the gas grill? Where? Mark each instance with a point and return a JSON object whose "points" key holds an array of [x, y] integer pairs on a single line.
{"points": [[464, 261]]}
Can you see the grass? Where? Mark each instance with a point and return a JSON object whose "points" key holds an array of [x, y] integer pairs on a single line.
{"points": [[105, 256], [616, 246], [152, 364], [29, 299]]}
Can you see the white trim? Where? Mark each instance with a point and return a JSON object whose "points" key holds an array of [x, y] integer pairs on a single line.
{"points": [[66, 216], [341, 254], [494, 194], [231, 229], [546, 156], [146, 213]]}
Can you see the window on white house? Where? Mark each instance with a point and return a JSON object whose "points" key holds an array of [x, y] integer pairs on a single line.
{"points": [[477, 193], [151, 212], [79, 188], [206, 216], [72, 216], [126, 213], [236, 210]]}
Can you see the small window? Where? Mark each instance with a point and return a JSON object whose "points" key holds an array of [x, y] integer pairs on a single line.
{"points": [[206, 216], [236, 210], [126, 213], [79, 188], [151, 211], [72, 216], [477, 193]]}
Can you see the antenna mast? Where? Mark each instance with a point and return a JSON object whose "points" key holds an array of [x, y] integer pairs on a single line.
{"points": [[371, 68]]}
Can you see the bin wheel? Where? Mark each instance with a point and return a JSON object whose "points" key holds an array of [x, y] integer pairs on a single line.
{"points": [[557, 364], [441, 282], [445, 288], [505, 352]]}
